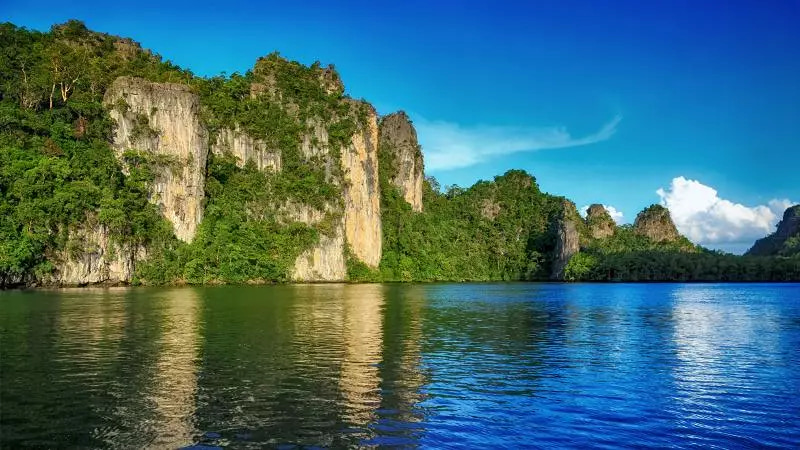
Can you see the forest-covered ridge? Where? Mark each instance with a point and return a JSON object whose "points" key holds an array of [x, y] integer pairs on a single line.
{"points": [[119, 167]]}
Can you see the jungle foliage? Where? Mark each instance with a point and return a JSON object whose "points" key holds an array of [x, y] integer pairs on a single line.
{"points": [[59, 176]]}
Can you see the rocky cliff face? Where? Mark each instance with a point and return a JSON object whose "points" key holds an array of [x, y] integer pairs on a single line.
{"points": [[567, 240], [398, 136], [656, 224], [349, 162], [567, 244], [246, 148], [775, 243], [161, 121], [326, 260], [91, 257], [599, 223], [362, 209]]}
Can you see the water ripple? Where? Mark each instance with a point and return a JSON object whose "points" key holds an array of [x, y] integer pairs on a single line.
{"points": [[318, 366]]}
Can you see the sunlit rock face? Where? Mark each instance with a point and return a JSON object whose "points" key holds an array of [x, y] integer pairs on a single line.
{"points": [[362, 209], [324, 261], [398, 136], [656, 224], [161, 121], [246, 148], [91, 256], [360, 224]]}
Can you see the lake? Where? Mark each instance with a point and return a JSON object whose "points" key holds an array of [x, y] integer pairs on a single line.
{"points": [[435, 365]]}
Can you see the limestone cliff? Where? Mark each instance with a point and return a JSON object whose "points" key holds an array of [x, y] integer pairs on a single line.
{"points": [[362, 209], [599, 223], [340, 136], [399, 138], [325, 261], [360, 223], [655, 223], [786, 238], [90, 256], [246, 148], [161, 121], [567, 239]]}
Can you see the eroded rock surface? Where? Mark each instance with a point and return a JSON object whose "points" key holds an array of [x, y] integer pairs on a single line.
{"points": [[397, 135], [599, 222], [161, 121], [656, 224], [245, 148]]}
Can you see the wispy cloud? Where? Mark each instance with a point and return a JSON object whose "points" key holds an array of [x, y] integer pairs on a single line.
{"points": [[449, 145]]}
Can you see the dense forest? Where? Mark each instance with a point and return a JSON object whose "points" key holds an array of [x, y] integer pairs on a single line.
{"points": [[61, 177]]}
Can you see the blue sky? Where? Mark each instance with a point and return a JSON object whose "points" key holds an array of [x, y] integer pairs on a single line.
{"points": [[603, 101]]}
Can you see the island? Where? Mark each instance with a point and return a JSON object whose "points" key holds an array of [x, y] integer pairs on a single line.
{"points": [[117, 167]]}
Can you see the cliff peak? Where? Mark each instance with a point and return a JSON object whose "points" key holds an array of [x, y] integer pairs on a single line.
{"points": [[599, 222], [778, 242], [402, 154], [655, 223]]}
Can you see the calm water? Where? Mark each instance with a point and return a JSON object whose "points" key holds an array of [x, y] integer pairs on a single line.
{"points": [[478, 365]]}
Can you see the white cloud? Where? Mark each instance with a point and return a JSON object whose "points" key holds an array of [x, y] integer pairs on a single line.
{"points": [[613, 212], [706, 219], [451, 146]]}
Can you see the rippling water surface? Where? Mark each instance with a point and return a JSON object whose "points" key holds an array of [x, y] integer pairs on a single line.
{"points": [[475, 365]]}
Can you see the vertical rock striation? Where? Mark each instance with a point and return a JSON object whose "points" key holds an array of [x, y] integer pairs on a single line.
{"points": [[325, 261], [362, 209], [161, 121], [92, 257], [567, 244], [245, 148], [567, 239], [398, 136]]}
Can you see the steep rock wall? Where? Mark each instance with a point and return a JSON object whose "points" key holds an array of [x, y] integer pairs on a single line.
{"points": [[325, 261], [246, 148], [568, 238], [774, 243], [91, 257], [567, 245], [362, 209], [162, 120], [397, 135]]}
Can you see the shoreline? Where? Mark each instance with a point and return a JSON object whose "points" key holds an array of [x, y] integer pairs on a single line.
{"points": [[344, 282]]}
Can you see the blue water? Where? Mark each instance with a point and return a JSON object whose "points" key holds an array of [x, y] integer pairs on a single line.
{"points": [[442, 365]]}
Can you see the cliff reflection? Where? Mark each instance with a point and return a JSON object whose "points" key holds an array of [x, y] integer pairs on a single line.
{"points": [[302, 364], [362, 335], [401, 371], [175, 381]]}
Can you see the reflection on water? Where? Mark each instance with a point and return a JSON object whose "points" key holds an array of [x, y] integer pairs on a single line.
{"points": [[362, 338], [724, 356], [402, 365], [175, 382]]}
